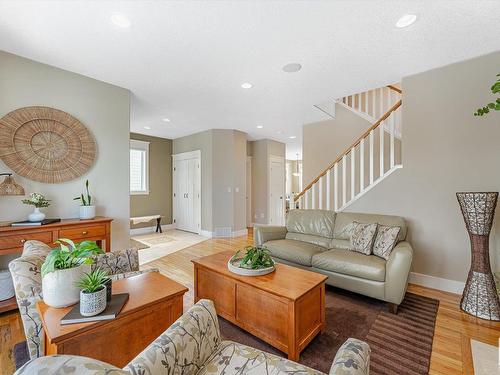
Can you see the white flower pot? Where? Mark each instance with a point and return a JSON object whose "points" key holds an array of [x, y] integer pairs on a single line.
{"points": [[93, 303], [36, 215], [87, 212], [58, 287]]}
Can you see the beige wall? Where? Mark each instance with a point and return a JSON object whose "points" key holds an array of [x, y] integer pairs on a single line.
{"points": [[159, 199], [324, 141], [445, 150], [261, 152], [104, 109]]}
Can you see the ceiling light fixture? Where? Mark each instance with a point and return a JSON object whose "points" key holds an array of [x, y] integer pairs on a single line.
{"points": [[292, 137], [406, 20], [147, 127], [246, 85], [279, 132], [165, 119], [120, 20], [260, 126], [292, 68]]}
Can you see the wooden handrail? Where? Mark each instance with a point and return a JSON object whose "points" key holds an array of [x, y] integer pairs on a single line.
{"points": [[395, 88], [347, 150]]}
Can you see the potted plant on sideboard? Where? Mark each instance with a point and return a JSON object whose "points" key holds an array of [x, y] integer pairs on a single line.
{"points": [[62, 268], [87, 209], [93, 292], [38, 201]]}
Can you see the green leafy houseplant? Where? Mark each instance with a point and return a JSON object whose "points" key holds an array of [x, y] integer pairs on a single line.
{"points": [[93, 281], [495, 89], [36, 199], [69, 255], [85, 200], [255, 258]]}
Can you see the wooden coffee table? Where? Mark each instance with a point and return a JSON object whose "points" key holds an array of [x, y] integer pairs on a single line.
{"points": [[154, 303], [285, 308]]}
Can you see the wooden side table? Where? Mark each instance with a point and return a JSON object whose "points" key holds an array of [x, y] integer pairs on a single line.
{"points": [[155, 302]]}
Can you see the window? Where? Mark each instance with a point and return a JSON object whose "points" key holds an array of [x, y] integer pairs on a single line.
{"points": [[139, 167]]}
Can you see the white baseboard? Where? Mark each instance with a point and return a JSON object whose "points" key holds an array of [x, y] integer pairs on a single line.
{"points": [[439, 283], [238, 233], [151, 229]]}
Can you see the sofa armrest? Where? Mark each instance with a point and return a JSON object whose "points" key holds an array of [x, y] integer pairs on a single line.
{"points": [[68, 364], [397, 271], [116, 262], [184, 347], [352, 358], [264, 233]]}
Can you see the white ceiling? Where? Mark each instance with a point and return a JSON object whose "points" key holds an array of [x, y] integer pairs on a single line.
{"points": [[187, 60]]}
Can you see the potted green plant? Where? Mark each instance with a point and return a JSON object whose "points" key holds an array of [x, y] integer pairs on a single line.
{"points": [[93, 292], [38, 201], [255, 261], [493, 106], [87, 209], [62, 268]]}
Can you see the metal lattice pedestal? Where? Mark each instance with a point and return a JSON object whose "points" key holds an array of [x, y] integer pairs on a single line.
{"points": [[480, 296]]}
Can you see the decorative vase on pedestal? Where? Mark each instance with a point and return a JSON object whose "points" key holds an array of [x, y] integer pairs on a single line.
{"points": [[480, 296], [36, 215]]}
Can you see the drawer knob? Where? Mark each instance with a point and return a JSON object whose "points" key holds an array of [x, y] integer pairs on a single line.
{"points": [[23, 240], [85, 232]]}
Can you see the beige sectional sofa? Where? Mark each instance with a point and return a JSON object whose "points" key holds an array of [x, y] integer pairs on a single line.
{"points": [[320, 240]]}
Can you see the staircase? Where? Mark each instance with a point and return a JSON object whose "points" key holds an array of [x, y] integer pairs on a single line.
{"points": [[368, 160]]}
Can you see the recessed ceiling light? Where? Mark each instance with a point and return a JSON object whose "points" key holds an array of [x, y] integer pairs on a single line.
{"points": [[147, 127], [120, 20], [292, 67], [279, 132], [259, 126], [292, 137], [166, 119], [246, 85], [406, 20]]}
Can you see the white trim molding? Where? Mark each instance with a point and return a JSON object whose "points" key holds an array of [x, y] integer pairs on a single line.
{"points": [[439, 283]]}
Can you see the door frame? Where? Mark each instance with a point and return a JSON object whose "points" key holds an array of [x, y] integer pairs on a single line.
{"points": [[279, 159], [249, 191], [196, 154]]}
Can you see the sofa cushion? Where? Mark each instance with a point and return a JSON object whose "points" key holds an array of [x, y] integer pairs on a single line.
{"points": [[313, 222], [351, 263], [294, 251], [345, 219], [315, 240], [362, 237], [235, 358]]}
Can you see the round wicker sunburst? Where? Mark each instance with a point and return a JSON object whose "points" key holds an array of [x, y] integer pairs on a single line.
{"points": [[45, 144]]}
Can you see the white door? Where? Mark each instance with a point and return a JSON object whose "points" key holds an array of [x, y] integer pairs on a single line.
{"points": [[249, 192], [186, 186], [277, 191]]}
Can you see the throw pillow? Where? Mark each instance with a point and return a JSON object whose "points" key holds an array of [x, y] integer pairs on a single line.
{"points": [[385, 241], [362, 237]]}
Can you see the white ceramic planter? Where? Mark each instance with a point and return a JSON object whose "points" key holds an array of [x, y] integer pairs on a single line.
{"points": [[36, 215], [87, 212], [233, 266], [93, 303], [58, 287]]}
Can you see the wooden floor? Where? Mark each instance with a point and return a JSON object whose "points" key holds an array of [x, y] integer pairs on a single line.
{"points": [[451, 349]]}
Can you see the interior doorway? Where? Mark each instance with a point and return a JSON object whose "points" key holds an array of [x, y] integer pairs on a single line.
{"points": [[276, 190]]}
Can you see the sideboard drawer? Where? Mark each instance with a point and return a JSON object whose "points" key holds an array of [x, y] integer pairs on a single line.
{"points": [[18, 240], [81, 233]]}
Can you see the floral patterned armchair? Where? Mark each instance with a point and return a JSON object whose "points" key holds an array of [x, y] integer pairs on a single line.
{"points": [[193, 346], [27, 279]]}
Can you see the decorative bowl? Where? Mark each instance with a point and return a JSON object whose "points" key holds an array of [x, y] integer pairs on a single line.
{"points": [[233, 266]]}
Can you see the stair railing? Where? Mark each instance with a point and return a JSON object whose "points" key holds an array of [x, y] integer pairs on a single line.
{"points": [[344, 180]]}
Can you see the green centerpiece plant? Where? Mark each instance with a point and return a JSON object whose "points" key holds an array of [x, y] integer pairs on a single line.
{"points": [[64, 266], [255, 258]]}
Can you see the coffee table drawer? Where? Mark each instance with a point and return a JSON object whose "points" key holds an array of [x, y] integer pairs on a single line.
{"points": [[18, 240], [81, 233]]}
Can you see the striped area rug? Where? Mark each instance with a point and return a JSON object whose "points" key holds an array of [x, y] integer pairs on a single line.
{"points": [[402, 343]]}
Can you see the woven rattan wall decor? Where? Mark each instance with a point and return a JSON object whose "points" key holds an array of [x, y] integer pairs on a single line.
{"points": [[45, 144]]}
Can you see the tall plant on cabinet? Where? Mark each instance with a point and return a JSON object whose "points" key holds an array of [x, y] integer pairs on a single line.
{"points": [[87, 208]]}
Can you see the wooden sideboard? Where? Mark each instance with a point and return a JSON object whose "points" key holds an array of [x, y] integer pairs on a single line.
{"points": [[12, 239]]}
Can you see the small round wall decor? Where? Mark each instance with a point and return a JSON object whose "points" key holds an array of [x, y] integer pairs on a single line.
{"points": [[45, 144]]}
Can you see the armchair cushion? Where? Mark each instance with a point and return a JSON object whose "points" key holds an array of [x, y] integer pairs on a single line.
{"points": [[68, 364], [352, 358], [116, 262], [234, 358], [184, 347]]}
